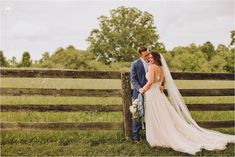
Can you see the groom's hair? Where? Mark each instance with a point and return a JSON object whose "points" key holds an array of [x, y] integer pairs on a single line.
{"points": [[142, 49], [157, 57]]}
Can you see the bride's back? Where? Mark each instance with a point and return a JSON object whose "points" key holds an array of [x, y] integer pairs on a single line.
{"points": [[158, 73]]}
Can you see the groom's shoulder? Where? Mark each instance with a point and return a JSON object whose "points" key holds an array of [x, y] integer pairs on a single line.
{"points": [[136, 62]]}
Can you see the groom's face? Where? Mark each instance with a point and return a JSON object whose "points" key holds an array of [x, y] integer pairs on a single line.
{"points": [[145, 55]]}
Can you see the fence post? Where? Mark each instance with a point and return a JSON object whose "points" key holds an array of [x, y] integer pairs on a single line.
{"points": [[126, 99]]}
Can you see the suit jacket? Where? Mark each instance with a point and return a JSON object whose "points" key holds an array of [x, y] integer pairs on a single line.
{"points": [[138, 78]]}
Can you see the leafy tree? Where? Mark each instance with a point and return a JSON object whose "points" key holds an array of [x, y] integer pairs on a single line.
{"points": [[122, 33], [232, 38], [187, 59], [45, 57], [230, 61], [26, 60], [13, 62], [222, 49], [192, 58], [223, 60], [3, 60], [68, 58], [217, 63], [208, 49]]}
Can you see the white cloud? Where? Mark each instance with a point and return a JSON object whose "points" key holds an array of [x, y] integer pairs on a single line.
{"points": [[28, 30]]}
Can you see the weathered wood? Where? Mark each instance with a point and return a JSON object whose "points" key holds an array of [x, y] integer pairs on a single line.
{"points": [[207, 92], [62, 126], [106, 92], [204, 92], [127, 101], [58, 73], [211, 107], [216, 124], [202, 76], [62, 92], [125, 93], [61, 108], [102, 108]]}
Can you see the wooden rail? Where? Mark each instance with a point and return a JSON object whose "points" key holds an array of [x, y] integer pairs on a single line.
{"points": [[52, 73], [58, 73], [105, 92], [62, 92], [125, 93], [92, 125], [102, 108]]}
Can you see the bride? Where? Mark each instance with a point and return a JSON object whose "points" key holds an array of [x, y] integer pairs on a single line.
{"points": [[169, 123]]}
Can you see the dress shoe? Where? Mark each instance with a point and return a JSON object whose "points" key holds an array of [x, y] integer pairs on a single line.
{"points": [[136, 142]]}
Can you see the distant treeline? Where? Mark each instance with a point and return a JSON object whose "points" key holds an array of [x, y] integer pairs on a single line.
{"points": [[192, 58]]}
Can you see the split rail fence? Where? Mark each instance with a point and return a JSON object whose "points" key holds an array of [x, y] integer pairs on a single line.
{"points": [[124, 93]]}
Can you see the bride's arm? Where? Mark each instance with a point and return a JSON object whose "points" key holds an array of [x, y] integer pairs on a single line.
{"points": [[150, 78]]}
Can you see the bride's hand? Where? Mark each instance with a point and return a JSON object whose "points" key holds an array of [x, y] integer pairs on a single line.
{"points": [[141, 90]]}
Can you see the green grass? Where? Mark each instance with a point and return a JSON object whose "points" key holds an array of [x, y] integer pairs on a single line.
{"points": [[61, 83], [92, 143], [61, 116], [68, 83], [97, 117], [8, 100]]}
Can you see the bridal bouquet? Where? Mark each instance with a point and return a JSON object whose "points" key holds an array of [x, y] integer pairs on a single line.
{"points": [[137, 109], [134, 108]]}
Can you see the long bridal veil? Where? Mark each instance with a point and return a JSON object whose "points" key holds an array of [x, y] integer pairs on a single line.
{"points": [[179, 105]]}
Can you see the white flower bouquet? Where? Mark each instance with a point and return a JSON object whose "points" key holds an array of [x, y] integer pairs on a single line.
{"points": [[134, 108], [137, 109]]}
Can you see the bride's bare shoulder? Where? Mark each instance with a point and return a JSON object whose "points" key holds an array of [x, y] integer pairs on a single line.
{"points": [[151, 66], [157, 67]]}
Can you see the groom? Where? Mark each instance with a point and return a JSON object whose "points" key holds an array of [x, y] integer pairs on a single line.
{"points": [[139, 69]]}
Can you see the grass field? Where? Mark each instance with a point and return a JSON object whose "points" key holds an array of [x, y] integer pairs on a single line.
{"points": [[90, 143]]}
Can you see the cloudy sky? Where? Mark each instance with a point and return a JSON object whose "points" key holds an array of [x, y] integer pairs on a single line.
{"points": [[44, 25]]}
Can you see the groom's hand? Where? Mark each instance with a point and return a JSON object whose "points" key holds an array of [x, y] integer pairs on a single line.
{"points": [[162, 89]]}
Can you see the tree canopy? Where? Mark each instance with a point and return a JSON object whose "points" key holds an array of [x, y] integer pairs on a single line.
{"points": [[120, 35], [26, 60], [3, 60]]}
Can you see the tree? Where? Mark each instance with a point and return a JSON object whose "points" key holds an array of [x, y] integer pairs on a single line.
{"points": [[3, 61], [208, 49], [45, 58], [222, 49], [230, 62], [232, 44], [122, 33], [186, 61], [13, 61], [223, 61], [68, 58], [26, 60]]}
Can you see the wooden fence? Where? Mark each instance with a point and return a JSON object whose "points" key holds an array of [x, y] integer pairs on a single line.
{"points": [[124, 93]]}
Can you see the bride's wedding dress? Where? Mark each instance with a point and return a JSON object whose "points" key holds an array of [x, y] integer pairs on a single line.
{"points": [[166, 127]]}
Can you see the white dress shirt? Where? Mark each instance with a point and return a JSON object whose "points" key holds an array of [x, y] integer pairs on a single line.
{"points": [[145, 65]]}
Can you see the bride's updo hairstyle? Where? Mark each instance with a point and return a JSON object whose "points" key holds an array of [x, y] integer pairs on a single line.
{"points": [[157, 57]]}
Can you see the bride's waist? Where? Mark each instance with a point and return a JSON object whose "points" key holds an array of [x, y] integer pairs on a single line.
{"points": [[156, 84]]}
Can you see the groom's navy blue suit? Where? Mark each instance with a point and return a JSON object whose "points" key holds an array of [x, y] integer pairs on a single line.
{"points": [[138, 80]]}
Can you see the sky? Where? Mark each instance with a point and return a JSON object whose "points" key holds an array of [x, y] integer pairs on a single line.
{"points": [[38, 26]]}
